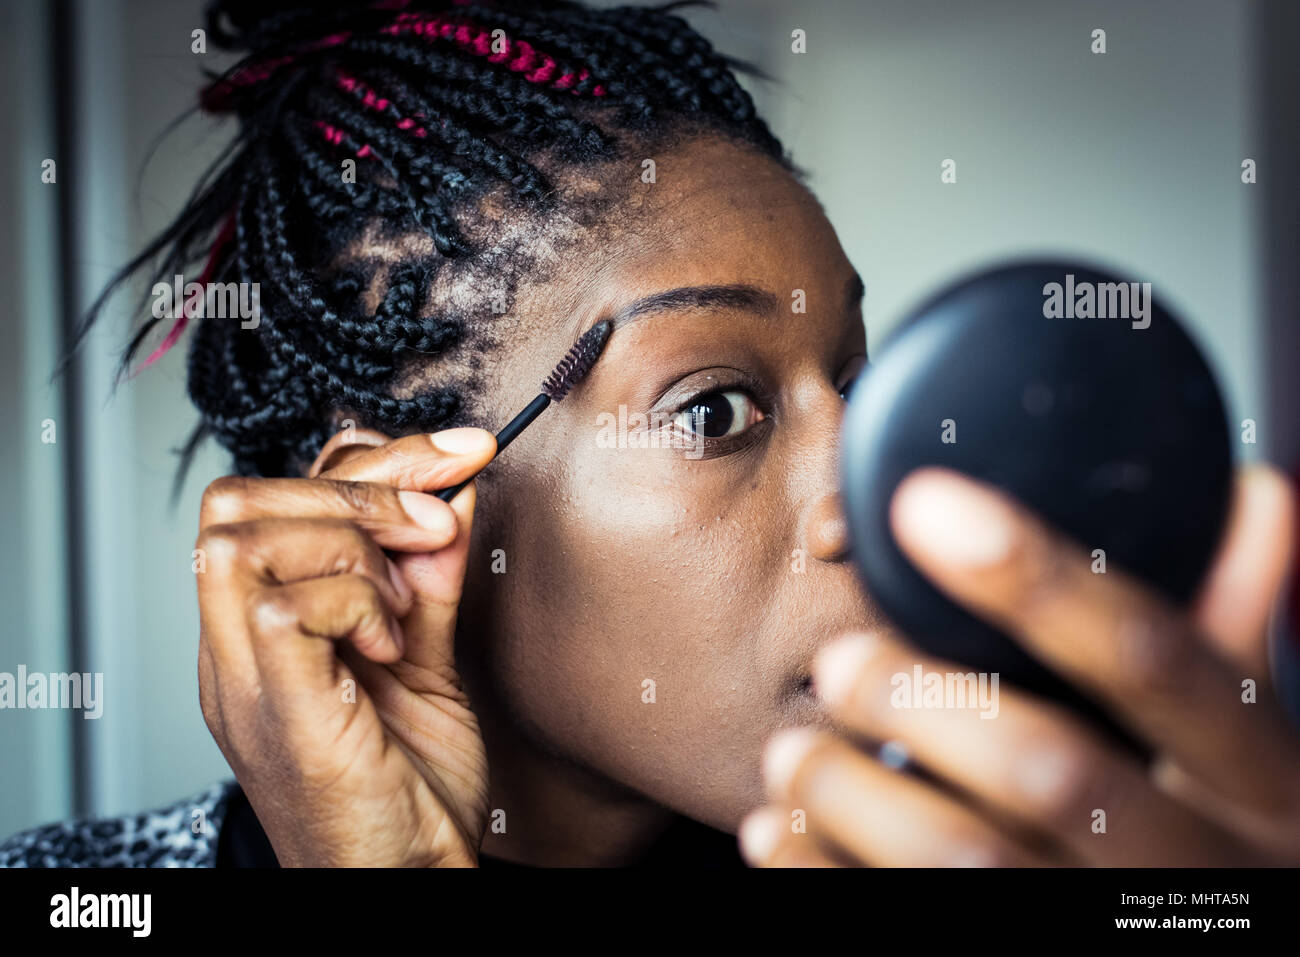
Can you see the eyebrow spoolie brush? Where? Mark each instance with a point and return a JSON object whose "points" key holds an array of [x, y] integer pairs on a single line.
{"points": [[571, 370]]}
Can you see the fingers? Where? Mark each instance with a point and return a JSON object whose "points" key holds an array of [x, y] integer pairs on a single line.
{"points": [[301, 612], [281, 550], [1105, 632], [1029, 762], [262, 532], [429, 462], [288, 635], [330, 609], [382, 490], [1237, 599], [423, 462], [437, 579], [772, 837], [398, 520], [252, 564], [877, 816]]}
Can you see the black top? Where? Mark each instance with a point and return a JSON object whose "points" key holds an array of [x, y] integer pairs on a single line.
{"points": [[686, 843]]}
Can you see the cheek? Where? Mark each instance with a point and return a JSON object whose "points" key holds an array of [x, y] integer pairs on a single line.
{"points": [[642, 630]]}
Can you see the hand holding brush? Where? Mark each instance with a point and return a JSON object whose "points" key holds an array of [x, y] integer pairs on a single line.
{"points": [[571, 370]]}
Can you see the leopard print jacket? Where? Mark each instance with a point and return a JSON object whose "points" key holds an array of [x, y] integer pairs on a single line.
{"points": [[183, 834], [218, 828]]}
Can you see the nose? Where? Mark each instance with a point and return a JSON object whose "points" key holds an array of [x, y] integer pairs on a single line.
{"points": [[826, 533]]}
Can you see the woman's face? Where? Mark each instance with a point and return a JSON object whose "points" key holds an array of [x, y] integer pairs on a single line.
{"points": [[661, 588]]}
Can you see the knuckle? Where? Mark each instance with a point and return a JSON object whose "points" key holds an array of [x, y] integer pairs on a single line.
{"points": [[355, 544], [403, 464], [222, 543], [270, 612], [222, 500], [1151, 659], [1045, 575], [365, 597], [359, 497]]}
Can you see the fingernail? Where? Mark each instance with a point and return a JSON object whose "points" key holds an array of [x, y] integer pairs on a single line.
{"points": [[395, 630], [785, 752], [760, 834], [427, 512], [953, 520], [838, 667], [460, 441]]}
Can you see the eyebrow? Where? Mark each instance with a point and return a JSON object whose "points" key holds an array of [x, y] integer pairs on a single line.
{"points": [[735, 296], [738, 296]]}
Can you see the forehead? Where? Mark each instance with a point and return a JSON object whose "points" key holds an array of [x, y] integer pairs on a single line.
{"points": [[722, 206], [718, 213]]}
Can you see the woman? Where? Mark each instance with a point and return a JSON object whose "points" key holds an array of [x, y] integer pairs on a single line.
{"points": [[627, 651]]}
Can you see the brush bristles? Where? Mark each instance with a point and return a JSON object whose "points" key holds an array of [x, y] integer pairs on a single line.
{"points": [[573, 368]]}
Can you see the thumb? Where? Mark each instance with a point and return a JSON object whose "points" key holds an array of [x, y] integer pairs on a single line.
{"points": [[437, 580], [1243, 585]]}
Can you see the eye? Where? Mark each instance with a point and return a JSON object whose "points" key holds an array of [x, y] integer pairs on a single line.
{"points": [[849, 377], [716, 415]]}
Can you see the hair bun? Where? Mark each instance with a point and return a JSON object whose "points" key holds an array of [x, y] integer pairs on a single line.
{"points": [[256, 26], [275, 35]]}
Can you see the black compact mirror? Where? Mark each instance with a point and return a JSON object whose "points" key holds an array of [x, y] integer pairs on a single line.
{"points": [[1075, 391]]}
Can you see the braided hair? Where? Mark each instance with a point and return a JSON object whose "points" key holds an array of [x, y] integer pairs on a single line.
{"points": [[438, 105]]}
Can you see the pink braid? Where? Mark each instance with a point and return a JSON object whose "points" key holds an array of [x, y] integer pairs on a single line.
{"points": [[519, 56], [209, 270], [217, 97]]}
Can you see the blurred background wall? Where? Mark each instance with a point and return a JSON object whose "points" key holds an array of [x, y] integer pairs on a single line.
{"points": [[1132, 157]]}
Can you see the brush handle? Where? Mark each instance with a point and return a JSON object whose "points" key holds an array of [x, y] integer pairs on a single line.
{"points": [[504, 438]]}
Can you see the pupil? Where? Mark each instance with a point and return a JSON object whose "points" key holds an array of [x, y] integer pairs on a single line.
{"points": [[712, 416]]}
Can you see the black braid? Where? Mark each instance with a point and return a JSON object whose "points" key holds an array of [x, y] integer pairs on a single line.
{"points": [[331, 80]]}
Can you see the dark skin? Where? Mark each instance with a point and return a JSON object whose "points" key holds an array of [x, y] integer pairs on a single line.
{"points": [[712, 580]]}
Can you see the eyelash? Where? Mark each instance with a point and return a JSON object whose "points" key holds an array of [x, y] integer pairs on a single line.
{"points": [[702, 398], [714, 446]]}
